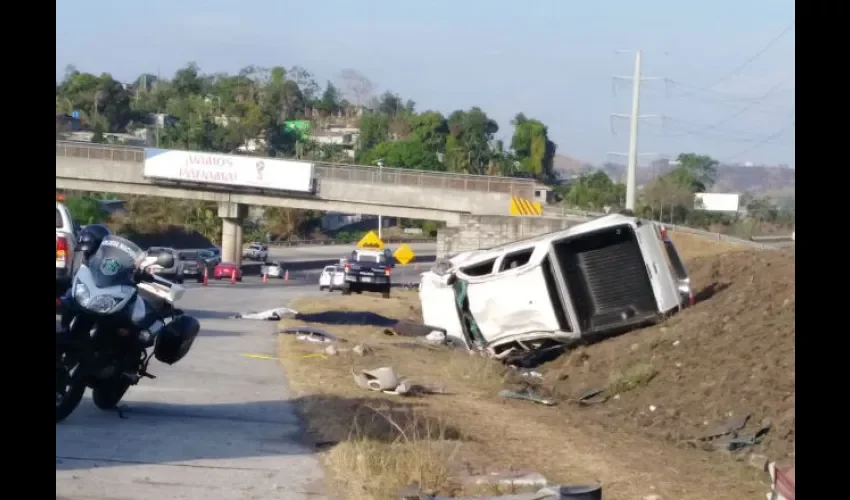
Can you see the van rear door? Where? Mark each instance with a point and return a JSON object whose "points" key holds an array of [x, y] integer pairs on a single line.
{"points": [[664, 283]]}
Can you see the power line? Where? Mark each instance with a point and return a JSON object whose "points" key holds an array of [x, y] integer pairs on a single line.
{"points": [[753, 58], [740, 112], [726, 102], [767, 139]]}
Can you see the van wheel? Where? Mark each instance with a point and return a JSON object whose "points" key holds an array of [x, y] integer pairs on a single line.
{"points": [[346, 291]]}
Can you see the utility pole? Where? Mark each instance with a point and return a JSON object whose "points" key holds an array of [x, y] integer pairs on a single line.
{"points": [[634, 118]]}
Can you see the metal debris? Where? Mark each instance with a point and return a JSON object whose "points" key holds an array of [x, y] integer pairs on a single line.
{"points": [[528, 395]]}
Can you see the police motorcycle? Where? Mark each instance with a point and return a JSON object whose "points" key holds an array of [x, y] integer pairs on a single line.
{"points": [[116, 310]]}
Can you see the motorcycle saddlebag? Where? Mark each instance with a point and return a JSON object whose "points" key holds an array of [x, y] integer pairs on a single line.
{"points": [[174, 341]]}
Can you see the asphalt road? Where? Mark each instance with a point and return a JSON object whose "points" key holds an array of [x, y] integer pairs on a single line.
{"points": [[216, 425]]}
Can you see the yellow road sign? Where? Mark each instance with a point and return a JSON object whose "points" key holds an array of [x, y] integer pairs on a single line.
{"points": [[371, 242], [521, 206], [404, 254]]}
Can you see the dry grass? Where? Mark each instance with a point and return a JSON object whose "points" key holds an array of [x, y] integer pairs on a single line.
{"points": [[375, 443]]}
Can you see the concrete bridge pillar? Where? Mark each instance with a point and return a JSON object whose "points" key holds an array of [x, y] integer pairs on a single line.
{"points": [[232, 216]]}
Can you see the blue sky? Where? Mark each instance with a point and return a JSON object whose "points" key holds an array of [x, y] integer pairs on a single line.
{"points": [[551, 59]]}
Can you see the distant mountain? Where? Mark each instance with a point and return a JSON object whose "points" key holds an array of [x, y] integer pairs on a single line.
{"points": [[758, 180]]}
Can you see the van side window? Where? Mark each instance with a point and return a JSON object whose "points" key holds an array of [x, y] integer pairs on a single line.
{"points": [[482, 269], [516, 259]]}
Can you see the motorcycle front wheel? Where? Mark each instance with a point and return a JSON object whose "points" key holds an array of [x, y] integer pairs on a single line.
{"points": [[108, 393], [70, 385]]}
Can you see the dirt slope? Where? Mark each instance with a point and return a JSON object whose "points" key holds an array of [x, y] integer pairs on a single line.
{"points": [[731, 354]]}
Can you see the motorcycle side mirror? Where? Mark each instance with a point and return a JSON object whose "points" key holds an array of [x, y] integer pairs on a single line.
{"points": [[164, 259]]}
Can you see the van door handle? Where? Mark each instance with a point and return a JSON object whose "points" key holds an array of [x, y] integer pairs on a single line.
{"points": [[655, 268]]}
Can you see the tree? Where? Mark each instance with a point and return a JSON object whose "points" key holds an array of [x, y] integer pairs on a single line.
{"points": [[374, 129], [358, 87], [697, 170], [330, 101], [595, 191], [532, 147], [85, 209], [430, 128], [410, 153]]}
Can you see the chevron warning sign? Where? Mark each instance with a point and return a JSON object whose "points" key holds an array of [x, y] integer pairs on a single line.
{"points": [[521, 206]]}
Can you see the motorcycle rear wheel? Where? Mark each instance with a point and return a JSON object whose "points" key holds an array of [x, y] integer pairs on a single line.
{"points": [[108, 393], [70, 385]]}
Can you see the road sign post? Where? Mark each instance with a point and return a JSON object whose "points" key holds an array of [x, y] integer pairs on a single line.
{"points": [[404, 255], [371, 241]]}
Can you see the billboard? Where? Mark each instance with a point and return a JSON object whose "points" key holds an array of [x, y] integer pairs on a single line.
{"points": [[229, 170], [716, 202]]}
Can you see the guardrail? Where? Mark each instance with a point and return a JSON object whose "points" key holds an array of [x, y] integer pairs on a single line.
{"points": [[755, 241], [336, 171], [388, 241]]}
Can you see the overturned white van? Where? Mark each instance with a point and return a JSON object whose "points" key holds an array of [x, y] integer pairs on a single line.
{"points": [[602, 276]]}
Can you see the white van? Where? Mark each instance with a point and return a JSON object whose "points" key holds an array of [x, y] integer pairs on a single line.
{"points": [[605, 275]]}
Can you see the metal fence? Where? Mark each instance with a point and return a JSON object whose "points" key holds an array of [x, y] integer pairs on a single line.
{"points": [[340, 172], [387, 241], [732, 240]]}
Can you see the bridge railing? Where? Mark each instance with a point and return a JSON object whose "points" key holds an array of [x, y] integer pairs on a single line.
{"points": [[339, 172], [100, 152]]}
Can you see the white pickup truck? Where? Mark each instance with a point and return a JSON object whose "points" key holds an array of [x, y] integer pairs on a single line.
{"points": [[67, 232], [256, 251]]}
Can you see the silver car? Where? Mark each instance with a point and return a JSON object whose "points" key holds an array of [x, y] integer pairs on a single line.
{"points": [[175, 272]]}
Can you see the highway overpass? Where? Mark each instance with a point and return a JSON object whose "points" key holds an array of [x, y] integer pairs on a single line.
{"points": [[341, 188]]}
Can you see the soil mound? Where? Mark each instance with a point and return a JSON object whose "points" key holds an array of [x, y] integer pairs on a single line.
{"points": [[730, 355]]}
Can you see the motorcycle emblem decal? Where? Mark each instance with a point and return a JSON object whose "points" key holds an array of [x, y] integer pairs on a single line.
{"points": [[109, 267]]}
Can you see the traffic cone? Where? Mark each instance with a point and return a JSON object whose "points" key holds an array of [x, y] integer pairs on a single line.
{"points": [[286, 276], [206, 277], [233, 277], [265, 277]]}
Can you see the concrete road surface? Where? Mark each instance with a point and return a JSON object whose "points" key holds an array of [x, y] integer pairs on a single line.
{"points": [[316, 252], [216, 425]]}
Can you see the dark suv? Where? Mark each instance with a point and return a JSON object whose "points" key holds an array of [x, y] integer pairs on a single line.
{"points": [[194, 262]]}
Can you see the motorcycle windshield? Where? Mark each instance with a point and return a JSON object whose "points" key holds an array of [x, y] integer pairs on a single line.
{"points": [[115, 262]]}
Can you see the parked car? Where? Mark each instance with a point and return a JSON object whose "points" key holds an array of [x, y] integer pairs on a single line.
{"points": [[227, 270], [272, 270], [256, 251], [212, 256], [332, 278], [194, 264], [605, 276], [173, 273], [67, 232]]}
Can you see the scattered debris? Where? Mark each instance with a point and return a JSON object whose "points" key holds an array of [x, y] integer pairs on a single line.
{"points": [[331, 350], [528, 395], [362, 350], [553, 492], [436, 337], [275, 314], [413, 329], [386, 380], [508, 479], [734, 442], [728, 427], [311, 334], [740, 442]]}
